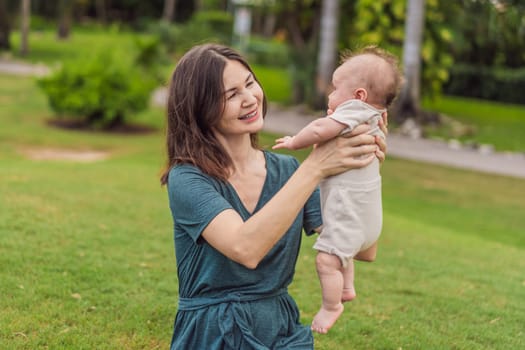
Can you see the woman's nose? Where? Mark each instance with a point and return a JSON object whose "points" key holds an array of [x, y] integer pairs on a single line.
{"points": [[249, 98]]}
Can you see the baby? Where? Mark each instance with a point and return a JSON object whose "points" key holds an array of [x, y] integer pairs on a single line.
{"points": [[365, 84]]}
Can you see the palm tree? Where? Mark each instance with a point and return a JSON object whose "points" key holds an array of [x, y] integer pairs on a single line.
{"points": [[408, 102], [65, 9], [100, 8], [5, 29], [25, 20], [169, 10], [327, 49]]}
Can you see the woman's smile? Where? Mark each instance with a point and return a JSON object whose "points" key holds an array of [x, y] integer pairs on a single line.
{"points": [[250, 117]]}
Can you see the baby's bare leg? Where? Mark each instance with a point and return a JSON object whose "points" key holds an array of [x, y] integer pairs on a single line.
{"points": [[368, 254], [348, 282], [330, 274]]}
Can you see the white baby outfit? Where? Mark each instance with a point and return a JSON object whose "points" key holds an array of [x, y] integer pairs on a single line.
{"points": [[351, 201]]}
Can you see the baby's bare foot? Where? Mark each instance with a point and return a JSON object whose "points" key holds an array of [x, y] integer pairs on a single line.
{"points": [[325, 319], [349, 294]]}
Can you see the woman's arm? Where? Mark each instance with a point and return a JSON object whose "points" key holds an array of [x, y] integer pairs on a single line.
{"points": [[247, 242]]}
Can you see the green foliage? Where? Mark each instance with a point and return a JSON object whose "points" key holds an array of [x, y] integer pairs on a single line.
{"points": [[489, 33], [497, 84], [275, 82], [82, 43], [302, 17], [151, 56], [166, 33], [207, 5], [387, 31], [220, 22], [103, 91], [267, 52], [204, 26], [302, 72], [38, 23]]}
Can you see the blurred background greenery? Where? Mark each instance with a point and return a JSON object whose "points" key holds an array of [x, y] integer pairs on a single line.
{"points": [[473, 49]]}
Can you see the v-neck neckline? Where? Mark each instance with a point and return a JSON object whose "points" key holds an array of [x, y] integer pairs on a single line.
{"points": [[258, 203]]}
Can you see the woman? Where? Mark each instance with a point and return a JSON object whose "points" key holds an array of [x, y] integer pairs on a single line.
{"points": [[239, 211]]}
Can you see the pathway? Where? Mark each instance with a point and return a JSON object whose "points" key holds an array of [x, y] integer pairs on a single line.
{"points": [[18, 68]]}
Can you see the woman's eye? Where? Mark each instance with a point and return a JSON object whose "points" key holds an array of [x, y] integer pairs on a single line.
{"points": [[250, 83], [229, 97]]}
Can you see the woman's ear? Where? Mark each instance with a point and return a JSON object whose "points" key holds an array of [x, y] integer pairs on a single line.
{"points": [[361, 94]]}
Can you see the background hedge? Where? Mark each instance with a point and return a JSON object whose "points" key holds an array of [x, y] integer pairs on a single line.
{"points": [[491, 83]]}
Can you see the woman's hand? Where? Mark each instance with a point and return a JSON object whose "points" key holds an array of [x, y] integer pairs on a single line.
{"points": [[381, 151], [355, 150]]}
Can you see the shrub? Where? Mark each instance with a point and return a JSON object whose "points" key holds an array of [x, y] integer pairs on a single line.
{"points": [[103, 92], [204, 26], [220, 22], [152, 56], [497, 84], [267, 52], [166, 34]]}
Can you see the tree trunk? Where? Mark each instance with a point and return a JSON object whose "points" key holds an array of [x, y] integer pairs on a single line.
{"points": [[65, 8], [169, 10], [302, 53], [100, 6], [408, 102], [24, 30], [5, 29], [270, 20], [326, 58]]}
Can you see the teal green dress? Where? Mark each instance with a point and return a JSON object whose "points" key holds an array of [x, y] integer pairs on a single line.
{"points": [[222, 304]]}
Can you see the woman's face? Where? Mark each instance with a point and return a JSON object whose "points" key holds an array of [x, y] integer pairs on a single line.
{"points": [[243, 102]]}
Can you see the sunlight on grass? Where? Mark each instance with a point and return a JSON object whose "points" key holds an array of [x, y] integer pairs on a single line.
{"points": [[499, 124], [45, 48]]}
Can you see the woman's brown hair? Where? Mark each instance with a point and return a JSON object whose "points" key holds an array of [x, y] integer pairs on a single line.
{"points": [[195, 105]]}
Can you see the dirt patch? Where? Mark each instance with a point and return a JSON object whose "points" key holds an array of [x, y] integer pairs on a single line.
{"points": [[66, 155]]}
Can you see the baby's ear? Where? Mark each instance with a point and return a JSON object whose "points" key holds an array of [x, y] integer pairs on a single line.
{"points": [[361, 94]]}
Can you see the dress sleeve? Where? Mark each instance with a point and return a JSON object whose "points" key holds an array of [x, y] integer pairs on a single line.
{"points": [[312, 209], [312, 213], [194, 200]]}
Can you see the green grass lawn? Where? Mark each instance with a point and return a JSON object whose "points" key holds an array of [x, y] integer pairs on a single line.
{"points": [[498, 124], [83, 42], [86, 249]]}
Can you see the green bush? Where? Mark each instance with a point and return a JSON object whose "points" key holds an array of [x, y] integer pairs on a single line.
{"points": [[102, 92], [204, 26], [166, 33], [267, 52], [220, 22], [497, 84], [152, 56]]}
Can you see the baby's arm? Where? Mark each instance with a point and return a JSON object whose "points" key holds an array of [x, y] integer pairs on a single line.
{"points": [[319, 130]]}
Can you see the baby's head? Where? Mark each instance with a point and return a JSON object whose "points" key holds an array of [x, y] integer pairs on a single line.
{"points": [[371, 75]]}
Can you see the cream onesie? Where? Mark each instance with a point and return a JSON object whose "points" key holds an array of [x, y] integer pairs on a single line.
{"points": [[351, 201]]}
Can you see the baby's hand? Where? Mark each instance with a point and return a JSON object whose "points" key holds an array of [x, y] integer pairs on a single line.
{"points": [[283, 142]]}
